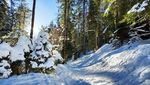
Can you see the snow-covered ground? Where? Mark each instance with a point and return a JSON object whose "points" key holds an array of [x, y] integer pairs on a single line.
{"points": [[127, 65]]}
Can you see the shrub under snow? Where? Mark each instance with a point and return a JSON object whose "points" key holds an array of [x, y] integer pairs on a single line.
{"points": [[43, 55], [12, 59], [5, 70], [17, 59]]}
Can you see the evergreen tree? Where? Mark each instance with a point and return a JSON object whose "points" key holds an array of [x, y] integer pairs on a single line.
{"points": [[93, 24], [22, 15], [4, 28], [44, 57]]}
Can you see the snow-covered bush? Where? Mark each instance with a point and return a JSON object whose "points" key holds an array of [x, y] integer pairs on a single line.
{"points": [[43, 55], [13, 59], [21, 57], [5, 70], [20, 54]]}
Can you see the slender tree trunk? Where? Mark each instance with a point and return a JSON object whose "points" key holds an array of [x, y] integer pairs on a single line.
{"points": [[12, 14], [33, 16], [24, 17], [65, 31], [83, 29]]}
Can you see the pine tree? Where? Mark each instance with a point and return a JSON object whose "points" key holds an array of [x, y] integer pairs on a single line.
{"points": [[22, 15], [44, 57], [3, 18], [93, 24]]}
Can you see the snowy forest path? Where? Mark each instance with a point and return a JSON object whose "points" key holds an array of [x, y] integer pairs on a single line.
{"points": [[82, 76]]}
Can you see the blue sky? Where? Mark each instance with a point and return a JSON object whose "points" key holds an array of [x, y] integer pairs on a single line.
{"points": [[46, 11]]}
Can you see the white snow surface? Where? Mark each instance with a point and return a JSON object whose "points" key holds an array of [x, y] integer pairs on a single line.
{"points": [[5, 72], [17, 52], [4, 49], [23, 45], [127, 65], [49, 63], [56, 55], [138, 7]]}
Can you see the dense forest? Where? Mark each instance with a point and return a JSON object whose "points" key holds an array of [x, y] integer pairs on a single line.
{"points": [[88, 24], [81, 28]]}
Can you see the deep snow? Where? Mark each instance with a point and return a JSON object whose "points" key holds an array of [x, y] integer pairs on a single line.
{"points": [[127, 65]]}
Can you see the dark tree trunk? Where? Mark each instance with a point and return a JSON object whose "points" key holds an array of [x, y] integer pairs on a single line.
{"points": [[65, 31], [33, 16], [83, 29]]}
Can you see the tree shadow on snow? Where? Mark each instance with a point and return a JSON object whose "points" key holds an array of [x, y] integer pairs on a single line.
{"points": [[127, 76], [79, 82]]}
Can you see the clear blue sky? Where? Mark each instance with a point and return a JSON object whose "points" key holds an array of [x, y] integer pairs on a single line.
{"points": [[46, 11]]}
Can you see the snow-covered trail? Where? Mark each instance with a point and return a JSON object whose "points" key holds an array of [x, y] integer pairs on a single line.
{"points": [[127, 65], [65, 75], [85, 76]]}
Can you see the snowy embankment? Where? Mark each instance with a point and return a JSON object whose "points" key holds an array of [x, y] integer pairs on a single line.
{"points": [[127, 65]]}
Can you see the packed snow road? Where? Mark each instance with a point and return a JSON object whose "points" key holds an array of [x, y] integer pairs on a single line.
{"points": [[127, 65]]}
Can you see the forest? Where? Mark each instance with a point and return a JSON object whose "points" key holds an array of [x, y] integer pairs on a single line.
{"points": [[91, 42]]}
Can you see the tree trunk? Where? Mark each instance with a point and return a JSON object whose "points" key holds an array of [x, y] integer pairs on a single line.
{"points": [[83, 29], [33, 16], [65, 33]]}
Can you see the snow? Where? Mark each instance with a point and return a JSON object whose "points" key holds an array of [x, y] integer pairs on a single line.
{"points": [[43, 55], [23, 45], [138, 7], [34, 64], [5, 72], [39, 48], [56, 55], [44, 52], [109, 7], [49, 63], [17, 54], [127, 65], [4, 49], [10, 54], [8, 2]]}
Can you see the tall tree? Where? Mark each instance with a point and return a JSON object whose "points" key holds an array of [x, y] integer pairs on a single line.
{"points": [[33, 16], [93, 24], [65, 30], [3, 13], [22, 14]]}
